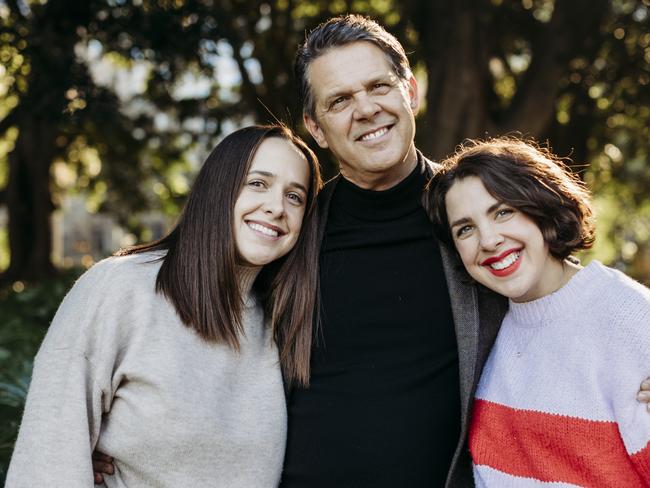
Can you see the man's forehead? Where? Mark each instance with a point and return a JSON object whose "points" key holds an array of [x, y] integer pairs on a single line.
{"points": [[344, 69]]}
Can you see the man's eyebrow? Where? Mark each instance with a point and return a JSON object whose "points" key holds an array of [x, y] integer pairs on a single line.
{"points": [[272, 175], [386, 78], [336, 94]]}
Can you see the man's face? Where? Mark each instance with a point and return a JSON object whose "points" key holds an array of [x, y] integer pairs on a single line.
{"points": [[364, 114]]}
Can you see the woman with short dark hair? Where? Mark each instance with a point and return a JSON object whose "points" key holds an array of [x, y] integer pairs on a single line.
{"points": [[555, 402], [169, 357]]}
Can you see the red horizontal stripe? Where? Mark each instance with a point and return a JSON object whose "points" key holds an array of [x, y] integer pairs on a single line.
{"points": [[641, 461], [553, 448]]}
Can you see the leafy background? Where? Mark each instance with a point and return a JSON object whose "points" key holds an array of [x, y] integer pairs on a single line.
{"points": [[118, 101]]}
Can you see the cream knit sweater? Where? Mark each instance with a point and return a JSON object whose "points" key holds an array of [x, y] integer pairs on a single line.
{"points": [[119, 372]]}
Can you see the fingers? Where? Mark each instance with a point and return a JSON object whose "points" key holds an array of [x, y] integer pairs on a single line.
{"points": [[102, 464], [100, 456], [102, 468], [644, 393]]}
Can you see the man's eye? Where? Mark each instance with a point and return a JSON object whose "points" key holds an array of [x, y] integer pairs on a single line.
{"points": [[338, 102], [381, 88]]}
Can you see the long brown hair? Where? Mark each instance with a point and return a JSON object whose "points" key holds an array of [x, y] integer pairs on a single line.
{"points": [[198, 273]]}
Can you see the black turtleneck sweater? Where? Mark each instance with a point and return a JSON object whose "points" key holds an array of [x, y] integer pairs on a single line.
{"points": [[383, 408]]}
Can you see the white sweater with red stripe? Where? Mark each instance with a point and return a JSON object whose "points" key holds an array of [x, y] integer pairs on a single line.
{"points": [[556, 404]]}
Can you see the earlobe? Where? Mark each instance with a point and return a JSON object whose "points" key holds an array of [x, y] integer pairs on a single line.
{"points": [[414, 95], [315, 131]]}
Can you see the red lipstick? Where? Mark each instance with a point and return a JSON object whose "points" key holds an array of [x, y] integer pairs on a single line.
{"points": [[505, 271]]}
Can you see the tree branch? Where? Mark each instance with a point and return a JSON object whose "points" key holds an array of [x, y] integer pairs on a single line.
{"points": [[533, 106]]}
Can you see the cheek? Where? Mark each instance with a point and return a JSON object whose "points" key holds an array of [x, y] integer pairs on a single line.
{"points": [[466, 251], [297, 220]]}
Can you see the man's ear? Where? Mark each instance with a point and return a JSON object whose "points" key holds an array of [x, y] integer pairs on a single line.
{"points": [[413, 94], [315, 131]]}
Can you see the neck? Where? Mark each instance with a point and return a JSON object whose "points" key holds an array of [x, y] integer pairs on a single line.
{"points": [[383, 180], [556, 275], [246, 276]]}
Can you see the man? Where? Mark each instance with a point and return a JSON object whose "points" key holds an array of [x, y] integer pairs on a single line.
{"points": [[398, 351]]}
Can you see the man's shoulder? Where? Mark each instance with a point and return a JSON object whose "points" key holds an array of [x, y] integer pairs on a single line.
{"points": [[326, 192], [430, 166]]}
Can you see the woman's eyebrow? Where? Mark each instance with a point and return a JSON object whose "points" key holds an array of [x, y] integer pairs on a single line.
{"points": [[463, 220], [272, 175]]}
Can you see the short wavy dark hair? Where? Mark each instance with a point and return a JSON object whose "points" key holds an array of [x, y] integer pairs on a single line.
{"points": [[339, 32], [527, 177]]}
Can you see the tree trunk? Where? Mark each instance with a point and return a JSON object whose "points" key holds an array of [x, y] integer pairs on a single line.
{"points": [[457, 41], [29, 202], [453, 51]]}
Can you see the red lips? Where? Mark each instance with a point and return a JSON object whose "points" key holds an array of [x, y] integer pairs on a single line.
{"points": [[505, 271]]}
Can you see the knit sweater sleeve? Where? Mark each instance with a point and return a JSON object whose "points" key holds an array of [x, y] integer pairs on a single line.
{"points": [[71, 386], [629, 306]]}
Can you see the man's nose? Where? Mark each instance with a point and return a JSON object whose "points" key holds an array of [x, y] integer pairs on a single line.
{"points": [[365, 106]]}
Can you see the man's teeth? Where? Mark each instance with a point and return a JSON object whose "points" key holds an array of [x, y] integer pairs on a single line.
{"points": [[264, 230], [505, 262], [375, 135]]}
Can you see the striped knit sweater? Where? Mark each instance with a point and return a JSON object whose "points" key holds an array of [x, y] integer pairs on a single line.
{"points": [[556, 404]]}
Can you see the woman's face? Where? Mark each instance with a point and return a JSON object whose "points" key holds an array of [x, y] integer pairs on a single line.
{"points": [[500, 247], [269, 209]]}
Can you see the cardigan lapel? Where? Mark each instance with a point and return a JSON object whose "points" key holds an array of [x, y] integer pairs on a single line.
{"points": [[464, 306]]}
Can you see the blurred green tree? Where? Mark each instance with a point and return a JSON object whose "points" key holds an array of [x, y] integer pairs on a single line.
{"points": [[575, 73]]}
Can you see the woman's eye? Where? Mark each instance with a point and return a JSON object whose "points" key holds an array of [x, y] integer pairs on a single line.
{"points": [[504, 212], [257, 183], [296, 198], [463, 231]]}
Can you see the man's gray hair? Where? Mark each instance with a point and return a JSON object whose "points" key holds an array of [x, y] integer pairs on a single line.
{"points": [[338, 32]]}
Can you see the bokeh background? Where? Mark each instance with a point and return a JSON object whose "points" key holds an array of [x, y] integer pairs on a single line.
{"points": [[107, 109]]}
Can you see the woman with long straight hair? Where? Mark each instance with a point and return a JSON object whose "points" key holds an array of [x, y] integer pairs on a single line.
{"points": [[169, 357]]}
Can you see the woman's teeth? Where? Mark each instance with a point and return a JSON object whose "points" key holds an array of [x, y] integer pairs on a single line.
{"points": [[263, 230], [507, 261]]}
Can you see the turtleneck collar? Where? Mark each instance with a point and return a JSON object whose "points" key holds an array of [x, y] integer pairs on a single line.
{"points": [[395, 202]]}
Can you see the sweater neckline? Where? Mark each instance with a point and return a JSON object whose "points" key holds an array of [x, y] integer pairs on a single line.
{"points": [[561, 302], [371, 205]]}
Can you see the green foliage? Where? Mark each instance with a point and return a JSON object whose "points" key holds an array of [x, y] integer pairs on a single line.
{"points": [[140, 91], [26, 310]]}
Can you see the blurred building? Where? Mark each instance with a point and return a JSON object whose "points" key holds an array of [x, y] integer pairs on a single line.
{"points": [[81, 238]]}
